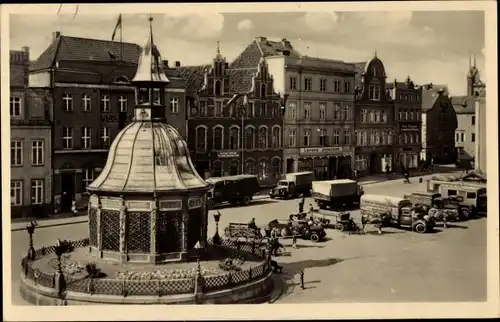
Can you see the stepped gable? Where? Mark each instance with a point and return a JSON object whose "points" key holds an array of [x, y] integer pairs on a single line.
{"points": [[75, 48]]}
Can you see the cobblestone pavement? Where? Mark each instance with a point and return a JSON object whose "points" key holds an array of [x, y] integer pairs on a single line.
{"points": [[398, 266]]}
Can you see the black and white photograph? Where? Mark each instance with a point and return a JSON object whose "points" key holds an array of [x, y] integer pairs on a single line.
{"points": [[294, 154]]}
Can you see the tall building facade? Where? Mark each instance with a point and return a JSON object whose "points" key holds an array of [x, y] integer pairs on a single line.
{"points": [[374, 120], [93, 99], [243, 137], [30, 145], [439, 122], [480, 155], [407, 99]]}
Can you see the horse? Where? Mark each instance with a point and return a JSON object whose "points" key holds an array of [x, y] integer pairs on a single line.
{"points": [[274, 246], [379, 220]]}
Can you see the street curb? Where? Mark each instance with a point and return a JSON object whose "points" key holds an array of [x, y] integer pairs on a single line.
{"points": [[278, 289], [81, 221]]}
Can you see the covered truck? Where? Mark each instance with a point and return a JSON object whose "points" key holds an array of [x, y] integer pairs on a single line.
{"points": [[293, 185], [336, 193]]}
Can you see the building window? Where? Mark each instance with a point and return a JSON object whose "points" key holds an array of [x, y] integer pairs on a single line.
{"points": [[86, 138], [218, 109], [67, 102], [308, 84], [293, 82], [156, 96], [473, 137], [262, 137], [16, 193], [336, 137], [410, 116], [389, 138], [203, 108], [372, 116], [88, 177], [377, 138], [217, 166], [377, 116], [347, 112], [234, 167], [201, 139], [218, 88], [347, 87], [462, 137], [323, 137], [364, 115], [15, 106], [473, 120], [122, 103], [86, 103], [347, 137], [336, 111], [336, 86], [361, 163], [307, 137], [263, 109], [322, 85], [276, 137], [291, 111], [384, 117], [174, 105], [263, 170], [16, 153], [276, 166], [67, 138], [374, 92], [105, 103], [400, 115], [250, 138], [251, 107], [218, 138], [36, 191], [262, 90], [249, 167], [291, 138], [105, 137], [37, 152], [307, 111], [322, 111], [234, 138]]}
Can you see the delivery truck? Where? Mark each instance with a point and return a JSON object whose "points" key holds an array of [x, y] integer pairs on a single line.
{"points": [[293, 185], [336, 193]]}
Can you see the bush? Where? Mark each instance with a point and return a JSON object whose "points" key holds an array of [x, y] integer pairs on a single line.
{"points": [[93, 271]]}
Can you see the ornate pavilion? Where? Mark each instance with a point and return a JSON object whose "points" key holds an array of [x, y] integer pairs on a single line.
{"points": [[149, 204]]}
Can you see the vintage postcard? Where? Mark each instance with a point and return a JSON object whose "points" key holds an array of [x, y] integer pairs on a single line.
{"points": [[214, 157]]}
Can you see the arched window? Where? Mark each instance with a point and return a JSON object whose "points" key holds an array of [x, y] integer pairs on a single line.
{"points": [[122, 80], [218, 138], [276, 167], [234, 138], [201, 138], [263, 169], [262, 137], [276, 137], [233, 167], [250, 138], [218, 88], [249, 166], [217, 168], [389, 138], [263, 90]]}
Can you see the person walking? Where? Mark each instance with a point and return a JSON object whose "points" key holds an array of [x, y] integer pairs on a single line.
{"points": [[301, 205], [73, 207], [294, 241]]}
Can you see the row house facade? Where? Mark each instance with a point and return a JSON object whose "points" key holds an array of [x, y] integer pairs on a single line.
{"points": [[30, 142], [318, 115], [93, 99], [374, 119], [238, 137], [407, 99]]}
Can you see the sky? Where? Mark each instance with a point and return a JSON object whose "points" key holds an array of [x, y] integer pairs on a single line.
{"points": [[428, 46]]}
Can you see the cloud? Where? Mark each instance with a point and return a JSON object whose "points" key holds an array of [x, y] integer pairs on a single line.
{"points": [[196, 26], [319, 21], [245, 25], [384, 19]]}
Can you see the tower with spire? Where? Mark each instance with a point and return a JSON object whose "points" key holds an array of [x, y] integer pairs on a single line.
{"points": [[475, 86]]}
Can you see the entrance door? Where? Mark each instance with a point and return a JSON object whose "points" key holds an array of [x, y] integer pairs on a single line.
{"points": [[290, 165], [373, 163], [67, 191]]}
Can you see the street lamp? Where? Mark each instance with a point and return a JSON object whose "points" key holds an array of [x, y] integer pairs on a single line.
{"points": [[216, 239], [31, 230]]}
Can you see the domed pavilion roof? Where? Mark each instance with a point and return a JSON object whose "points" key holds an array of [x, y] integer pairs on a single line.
{"points": [[148, 155]]}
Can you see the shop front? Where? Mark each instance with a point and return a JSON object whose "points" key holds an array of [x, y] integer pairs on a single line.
{"points": [[326, 162], [373, 160]]}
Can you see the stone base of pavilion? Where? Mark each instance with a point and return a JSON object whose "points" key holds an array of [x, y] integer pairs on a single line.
{"points": [[201, 281]]}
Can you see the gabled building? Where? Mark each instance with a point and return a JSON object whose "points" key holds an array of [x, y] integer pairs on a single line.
{"points": [[30, 145], [407, 99], [439, 122], [244, 137], [373, 120], [89, 85]]}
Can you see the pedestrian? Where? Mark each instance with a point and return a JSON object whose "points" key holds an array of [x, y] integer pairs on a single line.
{"points": [[388, 170], [301, 205], [73, 207], [294, 241]]}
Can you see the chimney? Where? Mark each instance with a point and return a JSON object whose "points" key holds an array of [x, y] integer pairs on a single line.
{"points": [[56, 35], [226, 65], [177, 63], [165, 63], [285, 53], [285, 43]]}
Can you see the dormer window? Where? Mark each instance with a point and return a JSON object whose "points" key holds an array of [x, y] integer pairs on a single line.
{"points": [[218, 88], [374, 71], [374, 92], [263, 90], [122, 80]]}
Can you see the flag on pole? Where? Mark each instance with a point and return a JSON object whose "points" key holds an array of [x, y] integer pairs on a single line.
{"points": [[118, 25]]}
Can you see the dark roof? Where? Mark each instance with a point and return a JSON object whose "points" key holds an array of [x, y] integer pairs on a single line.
{"points": [[430, 94], [241, 79], [75, 48], [463, 104], [261, 46], [193, 76], [322, 63]]}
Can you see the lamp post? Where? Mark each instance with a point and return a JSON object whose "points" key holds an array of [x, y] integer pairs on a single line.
{"points": [[31, 230], [216, 239]]}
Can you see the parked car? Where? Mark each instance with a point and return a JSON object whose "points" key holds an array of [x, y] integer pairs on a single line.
{"points": [[233, 189]]}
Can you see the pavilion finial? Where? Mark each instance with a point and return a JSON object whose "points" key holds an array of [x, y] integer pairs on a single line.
{"points": [[218, 47], [375, 53]]}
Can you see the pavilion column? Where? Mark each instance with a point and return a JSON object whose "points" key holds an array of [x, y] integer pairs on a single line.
{"points": [[98, 225], [154, 221], [123, 230], [185, 223], [204, 226]]}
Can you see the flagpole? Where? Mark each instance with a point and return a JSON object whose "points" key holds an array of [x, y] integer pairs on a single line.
{"points": [[121, 37]]}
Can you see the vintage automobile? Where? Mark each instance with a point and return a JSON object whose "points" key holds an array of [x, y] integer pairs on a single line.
{"points": [[299, 228], [233, 189]]}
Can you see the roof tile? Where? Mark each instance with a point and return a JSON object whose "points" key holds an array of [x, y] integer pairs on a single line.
{"points": [[193, 76]]}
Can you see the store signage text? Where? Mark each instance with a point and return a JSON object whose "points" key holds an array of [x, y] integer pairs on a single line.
{"points": [[409, 127], [321, 150], [114, 118], [228, 154]]}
